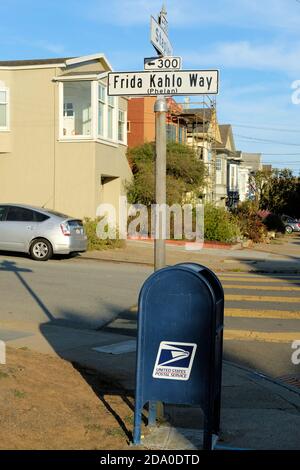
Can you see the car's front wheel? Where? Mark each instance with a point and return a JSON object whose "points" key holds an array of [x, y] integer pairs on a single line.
{"points": [[289, 229], [41, 249]]}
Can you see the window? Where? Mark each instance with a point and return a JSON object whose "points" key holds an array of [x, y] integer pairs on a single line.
{"points": [[128, 126], [101, 109], [171, 133], [3, 109], [110, 117], [233, 177], [121, 126], [218, 170], [19, 214], [181, 135], [40, 217], [68, 110], [77, 109], [2, 213]]}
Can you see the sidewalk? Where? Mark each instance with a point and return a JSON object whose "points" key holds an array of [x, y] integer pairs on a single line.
{"points": [[257, 413], [265, 258]]}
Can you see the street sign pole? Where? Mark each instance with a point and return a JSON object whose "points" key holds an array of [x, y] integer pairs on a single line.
{"points": [[156, 410], [160, 109]]}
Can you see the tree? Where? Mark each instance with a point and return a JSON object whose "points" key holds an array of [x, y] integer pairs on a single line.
{"points": [[278, 191], [185, 173]]}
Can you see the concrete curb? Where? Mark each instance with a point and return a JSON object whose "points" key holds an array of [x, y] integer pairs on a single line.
{"points": [[260, 376], [232, 270]]}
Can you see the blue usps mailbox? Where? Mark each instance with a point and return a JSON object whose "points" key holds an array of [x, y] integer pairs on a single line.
{"points": [[179, 349]]}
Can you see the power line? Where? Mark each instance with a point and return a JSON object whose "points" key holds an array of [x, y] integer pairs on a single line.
{"points": [[276, 129], [279, 154], [266, 141]]}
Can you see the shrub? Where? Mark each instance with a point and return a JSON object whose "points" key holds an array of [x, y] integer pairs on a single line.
{"points": [[96, 243], [219, 225], [250, 223]]}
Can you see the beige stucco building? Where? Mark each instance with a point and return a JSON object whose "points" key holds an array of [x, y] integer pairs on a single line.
{"points": [[63, 140]]}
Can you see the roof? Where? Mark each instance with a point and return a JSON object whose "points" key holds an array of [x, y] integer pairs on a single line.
{"points": [[18, 63], [224, 132], [205, 114], [64, 61]]}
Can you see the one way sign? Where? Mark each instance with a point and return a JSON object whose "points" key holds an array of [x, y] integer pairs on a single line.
{"points": [[163, 63]]}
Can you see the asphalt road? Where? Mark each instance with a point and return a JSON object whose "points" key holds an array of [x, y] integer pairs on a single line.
{"points": [[262, 312], [77, 292]]}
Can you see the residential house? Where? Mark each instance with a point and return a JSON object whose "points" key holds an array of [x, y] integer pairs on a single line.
{"points": [[141, 121], [204, 136], [252, 160], [63, 140], [232, 160]]}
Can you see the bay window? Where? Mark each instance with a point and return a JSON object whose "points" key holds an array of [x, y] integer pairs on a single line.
{"points": [[77, 109], [87, 112], [101, 109], [110, 117], [3, 109]]}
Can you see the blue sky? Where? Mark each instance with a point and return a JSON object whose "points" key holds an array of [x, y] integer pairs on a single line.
{"points": [[254, 43]]}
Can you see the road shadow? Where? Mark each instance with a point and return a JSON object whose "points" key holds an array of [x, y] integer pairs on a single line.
{"points": [[107, 390], [16, 254], [105, 387]]}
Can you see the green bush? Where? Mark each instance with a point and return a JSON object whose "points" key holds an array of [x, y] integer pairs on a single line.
{"points": [[96, 243], [219, 225], [185, 173]]}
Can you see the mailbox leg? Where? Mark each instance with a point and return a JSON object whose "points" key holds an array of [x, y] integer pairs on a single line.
{"points": [[152, 413], [208, 425], [207, 439], [137, 426], [217, 414]]}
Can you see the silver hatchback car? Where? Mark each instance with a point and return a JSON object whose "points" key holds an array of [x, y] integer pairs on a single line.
{"points": [[39, 232]]}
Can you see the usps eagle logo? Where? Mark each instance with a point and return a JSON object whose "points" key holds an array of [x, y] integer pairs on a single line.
{"points": [[174, 361]]}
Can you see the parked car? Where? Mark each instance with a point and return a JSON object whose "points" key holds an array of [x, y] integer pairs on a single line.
{"points": [[39, 232], [291, 224]]}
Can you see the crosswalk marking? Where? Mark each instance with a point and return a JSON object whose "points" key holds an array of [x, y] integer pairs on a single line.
{"points": [[276, 314], [270, 337], [265, 276], [261, 279], [261, 284], [260, 298], [259, 287]]}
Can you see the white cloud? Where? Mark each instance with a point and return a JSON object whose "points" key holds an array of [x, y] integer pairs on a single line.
{"points": [[246, 55]]}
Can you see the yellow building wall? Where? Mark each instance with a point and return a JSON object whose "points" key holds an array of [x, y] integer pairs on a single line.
{"points": [[39, 169], [26, 172]]}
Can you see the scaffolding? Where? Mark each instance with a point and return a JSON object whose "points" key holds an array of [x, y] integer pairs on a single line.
{"points": [[202, 135]]}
